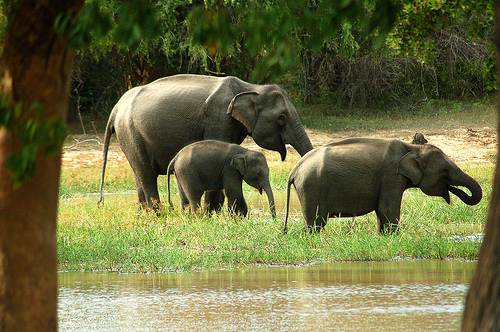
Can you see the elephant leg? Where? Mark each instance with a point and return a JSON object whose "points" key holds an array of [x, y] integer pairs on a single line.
{"points": [[182, 197], [388, 216], [152, 195], [315, 217], [385, 225], [147, 190], [194, 198], [214, 200], [238, 206], [140, 192], [320, 221]]}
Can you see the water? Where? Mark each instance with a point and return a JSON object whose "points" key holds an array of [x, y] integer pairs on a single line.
{"points": [[348, 296]]}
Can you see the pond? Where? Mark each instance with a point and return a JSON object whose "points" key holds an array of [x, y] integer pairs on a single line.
{"points": [[421, 295]]}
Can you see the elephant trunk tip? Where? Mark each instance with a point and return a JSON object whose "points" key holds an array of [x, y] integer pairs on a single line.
{"points": [[473, 199], [270, 198]]}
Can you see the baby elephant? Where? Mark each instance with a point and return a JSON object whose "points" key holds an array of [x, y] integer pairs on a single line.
{"points": [[216, 165], [356, 176]]}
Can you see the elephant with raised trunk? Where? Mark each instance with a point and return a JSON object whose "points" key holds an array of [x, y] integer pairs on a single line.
{"points": [[155, 121], [356, 176], [214, 165]]}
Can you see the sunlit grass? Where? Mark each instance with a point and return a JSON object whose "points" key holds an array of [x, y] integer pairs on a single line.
{"points": [[120, 237], [435, 114]]}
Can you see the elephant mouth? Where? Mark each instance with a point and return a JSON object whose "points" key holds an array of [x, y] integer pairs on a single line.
{"points": [[275, 143], [282, 149], [283, 154], [446, 186], [446, 194], [259, 188]]}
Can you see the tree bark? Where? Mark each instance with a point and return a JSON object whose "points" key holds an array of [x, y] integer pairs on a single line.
{"points": [[35, 67], [482, 307]]}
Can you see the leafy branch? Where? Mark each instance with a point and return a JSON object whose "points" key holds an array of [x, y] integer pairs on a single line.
{"points": [[34, 135]]}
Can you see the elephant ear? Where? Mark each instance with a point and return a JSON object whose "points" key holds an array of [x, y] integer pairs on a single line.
{"points": [[410, 167], [240, 163], [243, 109]]}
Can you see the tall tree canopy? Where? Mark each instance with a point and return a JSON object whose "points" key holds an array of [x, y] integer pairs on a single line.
{"points": [[318, 50]]}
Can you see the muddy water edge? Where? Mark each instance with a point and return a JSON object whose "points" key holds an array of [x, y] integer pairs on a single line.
{"points": [[420, 295]]}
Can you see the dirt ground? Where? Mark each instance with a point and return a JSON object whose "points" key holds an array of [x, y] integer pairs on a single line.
{"points": [[463, 145]]}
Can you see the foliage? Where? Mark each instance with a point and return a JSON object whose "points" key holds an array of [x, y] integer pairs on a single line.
{"points": [[320, 51], [252, 40], [415, 31], [324, 51], [425, 26], [379, 77], [33, 133], [105, 68], [272, 31], [129, 22], [443, 53]]}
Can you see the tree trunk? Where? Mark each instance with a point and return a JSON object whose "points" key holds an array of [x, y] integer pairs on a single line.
{"points": [[35, 67], [482, 307]]}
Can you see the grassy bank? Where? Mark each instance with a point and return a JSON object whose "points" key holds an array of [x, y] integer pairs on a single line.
{"points": [[119, 237], [433, 115]]}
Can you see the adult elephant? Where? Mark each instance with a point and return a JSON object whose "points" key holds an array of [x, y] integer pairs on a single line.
{"points": [[155, 121], [358, 175]]}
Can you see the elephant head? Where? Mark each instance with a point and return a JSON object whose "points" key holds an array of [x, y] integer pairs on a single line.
{"points": [[271, 119], [436, 175], [253, 167]]}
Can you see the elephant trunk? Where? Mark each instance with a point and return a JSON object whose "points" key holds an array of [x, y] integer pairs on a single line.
{"points": [[299, 139], [469, 183], [270, 198]]}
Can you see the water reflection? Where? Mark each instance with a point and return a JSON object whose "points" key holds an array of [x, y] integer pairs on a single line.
{"points": [[384, 296]]}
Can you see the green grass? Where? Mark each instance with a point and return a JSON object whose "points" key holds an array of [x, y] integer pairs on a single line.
{"points": [[432, 115], [119, 237]]}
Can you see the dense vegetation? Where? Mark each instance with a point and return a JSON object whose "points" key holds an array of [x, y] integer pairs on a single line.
{"points": [[437, 50]]}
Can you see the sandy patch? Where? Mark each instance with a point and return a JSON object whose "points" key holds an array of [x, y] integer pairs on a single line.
{"points": [[463, 145]]}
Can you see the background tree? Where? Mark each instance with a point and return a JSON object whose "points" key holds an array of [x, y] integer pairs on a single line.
{"points": [[322, 53], [482, 307], [35, 78], [35, 65]]}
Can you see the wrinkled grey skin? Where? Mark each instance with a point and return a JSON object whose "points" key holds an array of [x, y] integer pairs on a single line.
{"points": [[153, 122], [216, 165], [359, 175]]}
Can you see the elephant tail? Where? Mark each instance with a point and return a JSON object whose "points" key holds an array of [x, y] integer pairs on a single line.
{"points": [[110, 129], [288, 188], [170, 170]]}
